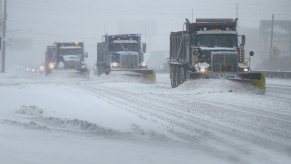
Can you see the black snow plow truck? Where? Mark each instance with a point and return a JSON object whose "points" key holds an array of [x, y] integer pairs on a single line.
{"points": [[123, 53], [67, 57], [211, 48]]}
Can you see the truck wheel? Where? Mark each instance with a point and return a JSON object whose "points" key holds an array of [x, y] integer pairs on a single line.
{"points": [[183, 75], [179, 75], [173, 76], [107, 70]]}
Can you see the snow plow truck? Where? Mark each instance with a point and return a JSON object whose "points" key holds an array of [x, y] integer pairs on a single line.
{"points": [[67, 56], [211, 48], [123, 53]]}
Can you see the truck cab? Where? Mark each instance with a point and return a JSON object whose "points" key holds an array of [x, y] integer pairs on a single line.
{"points": [[217, 47], [66, 56], [120, 52], [209, 48]]}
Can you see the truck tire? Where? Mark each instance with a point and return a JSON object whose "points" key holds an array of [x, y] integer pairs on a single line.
{"points": [[107, 70], [173, 76], [183, 75], [179, 75]]}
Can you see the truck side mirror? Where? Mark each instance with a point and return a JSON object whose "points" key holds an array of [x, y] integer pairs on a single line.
{"points": [[144, 47], [86, 55], [242, 40], [252, 53]]}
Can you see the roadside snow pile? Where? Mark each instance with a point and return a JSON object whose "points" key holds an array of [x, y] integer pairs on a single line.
{"points": [[38, 119], [30, 110], [24, 124], [215, 86], [75, 124], [66, 107], [70, 120]]}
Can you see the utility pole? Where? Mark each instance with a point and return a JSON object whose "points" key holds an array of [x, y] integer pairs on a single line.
{"points": [[3, 37], [192, 14], [236, 15], [237, 8], [145, 33], [272, 36]]}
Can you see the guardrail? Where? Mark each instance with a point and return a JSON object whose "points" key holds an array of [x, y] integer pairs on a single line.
{"points": [[277, 74]]}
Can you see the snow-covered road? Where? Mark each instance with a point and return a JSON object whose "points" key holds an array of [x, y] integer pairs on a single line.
{"points": [[118, 119]]}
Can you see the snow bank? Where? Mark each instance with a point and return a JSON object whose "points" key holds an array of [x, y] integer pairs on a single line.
{"points": [[117, 119], [59, 122]]}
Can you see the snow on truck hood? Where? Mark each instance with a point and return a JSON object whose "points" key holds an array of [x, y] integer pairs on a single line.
{"points": [[72, 58], [218, 48], [127, 53]]}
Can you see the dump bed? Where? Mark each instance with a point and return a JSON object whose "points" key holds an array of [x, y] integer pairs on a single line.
{"points": [[101, 55], [178, 48]]}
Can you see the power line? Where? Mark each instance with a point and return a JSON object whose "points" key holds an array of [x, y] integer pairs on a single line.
{"points": [[4, 37]]}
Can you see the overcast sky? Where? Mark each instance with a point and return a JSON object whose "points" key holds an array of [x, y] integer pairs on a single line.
{"points": [[37, 23]]}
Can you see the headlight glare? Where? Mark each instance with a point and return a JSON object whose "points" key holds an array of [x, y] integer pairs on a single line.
{"points": [[51, 65], [114, 64]]}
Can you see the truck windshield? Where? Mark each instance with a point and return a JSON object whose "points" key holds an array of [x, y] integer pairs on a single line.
{"points": [[124, 47], [70, 51], [217, 40]]}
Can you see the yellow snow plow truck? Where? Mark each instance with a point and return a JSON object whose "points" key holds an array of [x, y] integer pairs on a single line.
{"points": [[211, 48]]}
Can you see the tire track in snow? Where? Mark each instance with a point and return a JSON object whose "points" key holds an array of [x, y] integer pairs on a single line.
{"points": [[209, 106], [245, 115], [234, 110], [214, 126]]}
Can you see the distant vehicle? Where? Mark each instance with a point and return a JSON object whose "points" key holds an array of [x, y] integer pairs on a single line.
{"points": [[66, 56], [40, 68], [123, 52], [211, 48]]}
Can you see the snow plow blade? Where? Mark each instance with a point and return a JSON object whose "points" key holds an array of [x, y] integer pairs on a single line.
{"points": [[148, 75], [256, 79], [70, 73]]}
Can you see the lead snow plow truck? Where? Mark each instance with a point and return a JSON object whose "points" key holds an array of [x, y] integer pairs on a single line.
{"points": [[66, 57], [211, 48], [123, 53]]}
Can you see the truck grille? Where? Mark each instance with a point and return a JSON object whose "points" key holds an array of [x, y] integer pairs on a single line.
{"points": [[224, 62], [129, 61], [72, 64]]}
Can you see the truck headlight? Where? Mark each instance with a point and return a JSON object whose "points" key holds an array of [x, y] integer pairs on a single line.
{"points": [[246, 70], [202, 67], [143, 64], [41, 68], [51, 65], [203, 70], [114, 64]]}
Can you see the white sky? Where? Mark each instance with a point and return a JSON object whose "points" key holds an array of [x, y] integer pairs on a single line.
{"points": [[42, 22]]}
